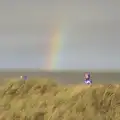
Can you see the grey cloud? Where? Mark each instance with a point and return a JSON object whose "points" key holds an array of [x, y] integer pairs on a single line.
{"points": [[91, 36]]}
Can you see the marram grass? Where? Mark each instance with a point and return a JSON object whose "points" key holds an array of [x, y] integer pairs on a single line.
{"points": [[43, 99]]}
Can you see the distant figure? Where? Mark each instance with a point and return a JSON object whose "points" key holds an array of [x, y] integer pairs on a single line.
{"points": [[23, 77], [87, 79]]}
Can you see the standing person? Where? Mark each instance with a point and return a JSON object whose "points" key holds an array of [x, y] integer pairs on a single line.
{"points": [[87, 79], [24, 77]]}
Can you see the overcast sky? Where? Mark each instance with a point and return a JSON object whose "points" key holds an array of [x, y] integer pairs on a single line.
{"points": [[92, 36]]}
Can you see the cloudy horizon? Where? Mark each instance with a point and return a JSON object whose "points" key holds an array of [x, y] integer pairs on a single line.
{"points": [[91, 39]]}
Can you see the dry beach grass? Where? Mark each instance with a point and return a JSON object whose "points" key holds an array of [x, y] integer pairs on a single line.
{"points": [[43, 99]]}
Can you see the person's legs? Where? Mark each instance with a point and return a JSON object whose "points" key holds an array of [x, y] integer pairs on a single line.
{"points": [[88, 82]]}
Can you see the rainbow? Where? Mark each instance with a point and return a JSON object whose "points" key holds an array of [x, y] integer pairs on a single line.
{"points": [[56, 43]]}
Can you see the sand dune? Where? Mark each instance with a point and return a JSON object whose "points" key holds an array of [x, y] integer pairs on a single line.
{"points": [[43, 99]]}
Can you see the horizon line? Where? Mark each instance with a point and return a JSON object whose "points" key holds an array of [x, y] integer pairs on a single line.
{"points": [[57, 70]]}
